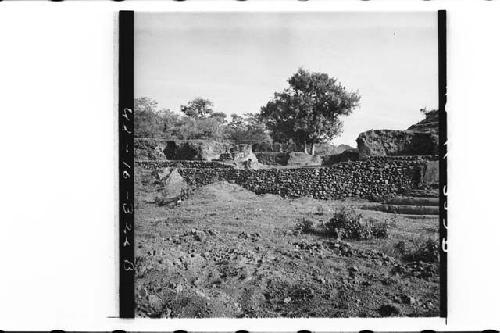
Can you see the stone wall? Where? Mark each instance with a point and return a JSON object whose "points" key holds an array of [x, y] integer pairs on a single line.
{"points": [[150, 165], [379, 176]]}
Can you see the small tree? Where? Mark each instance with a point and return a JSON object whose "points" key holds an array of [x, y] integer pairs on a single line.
{"points": [[309, 110]]}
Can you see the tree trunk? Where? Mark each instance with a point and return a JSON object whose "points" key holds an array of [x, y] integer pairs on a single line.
{"points": [[312, 148], [305, 146]]}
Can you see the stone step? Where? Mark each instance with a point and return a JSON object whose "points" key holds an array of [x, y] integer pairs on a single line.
{"points": [[413, 201], [405, 209]]}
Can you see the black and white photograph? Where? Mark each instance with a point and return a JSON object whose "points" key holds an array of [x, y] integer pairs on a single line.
{"points": [[287, 165]]}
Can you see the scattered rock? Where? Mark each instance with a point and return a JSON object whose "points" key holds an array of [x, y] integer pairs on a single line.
{"points": [[155, 302], [408, 299]]}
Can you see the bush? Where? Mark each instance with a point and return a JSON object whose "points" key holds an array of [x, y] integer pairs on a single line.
{"points": [[421, 250], [305, 226], [380, 229], [346, 223], [426, 251]]}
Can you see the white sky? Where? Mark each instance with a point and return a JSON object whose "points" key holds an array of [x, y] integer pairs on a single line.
{"points": [[238, 60]]}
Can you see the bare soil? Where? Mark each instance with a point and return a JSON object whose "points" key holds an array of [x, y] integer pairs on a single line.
{"points": [[227, 252]]}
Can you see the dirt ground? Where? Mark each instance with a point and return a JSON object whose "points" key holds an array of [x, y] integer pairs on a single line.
{"points": [[227, 252]]}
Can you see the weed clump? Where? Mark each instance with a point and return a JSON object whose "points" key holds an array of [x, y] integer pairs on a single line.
{"points": [[348, 224]]}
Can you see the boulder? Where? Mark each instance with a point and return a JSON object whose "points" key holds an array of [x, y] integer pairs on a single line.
{"points": [[397, 142], [174, 186]]}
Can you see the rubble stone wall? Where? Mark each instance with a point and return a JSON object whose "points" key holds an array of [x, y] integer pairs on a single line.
{"points": [[377, 176]]}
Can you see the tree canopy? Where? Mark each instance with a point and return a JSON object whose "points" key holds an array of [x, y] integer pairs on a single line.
{"points": [[150, 122], [247, 129], [198, 122], [199, 108], [309, 110]]}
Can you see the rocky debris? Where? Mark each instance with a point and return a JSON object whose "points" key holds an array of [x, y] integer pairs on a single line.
{"points": [[199, 235], [397, 142], [417, 269], [245, 235], [379, 176], [408, 300]]}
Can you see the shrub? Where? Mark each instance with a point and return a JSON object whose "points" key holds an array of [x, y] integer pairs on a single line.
{"points": [[305, 226], [421, 250], [379, 229], [346, 223], [426, 251]]}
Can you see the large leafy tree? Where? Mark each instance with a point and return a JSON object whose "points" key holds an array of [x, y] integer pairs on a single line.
{"points": [[309, 110]]}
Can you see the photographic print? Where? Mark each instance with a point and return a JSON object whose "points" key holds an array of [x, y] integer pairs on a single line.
{"points": [[287, 165]]}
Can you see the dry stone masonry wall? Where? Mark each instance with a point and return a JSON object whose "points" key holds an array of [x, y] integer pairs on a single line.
{"points": [[199, 165], [376, 176]]}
